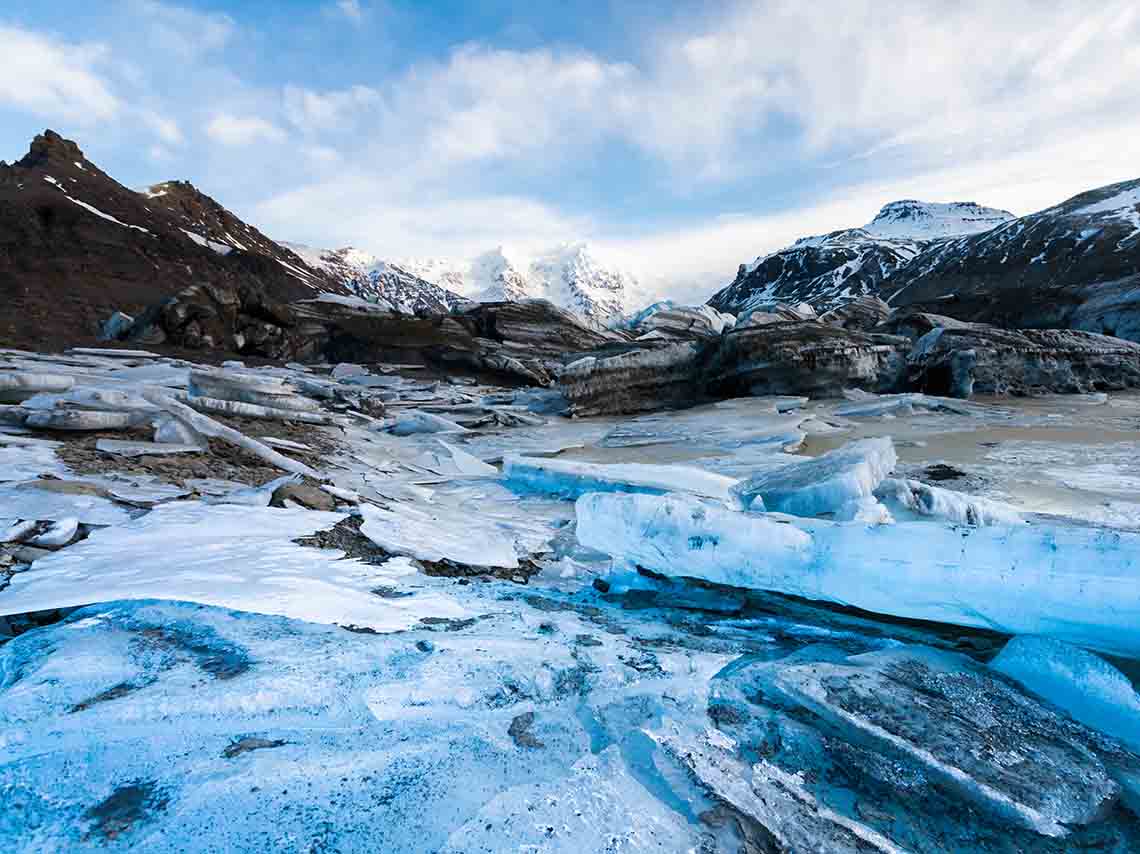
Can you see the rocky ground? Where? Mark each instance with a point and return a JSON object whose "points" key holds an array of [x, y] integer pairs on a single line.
{"points": [[340, 607]]}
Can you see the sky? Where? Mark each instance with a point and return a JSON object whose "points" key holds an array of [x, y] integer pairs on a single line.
{"points": [[679, 139]]}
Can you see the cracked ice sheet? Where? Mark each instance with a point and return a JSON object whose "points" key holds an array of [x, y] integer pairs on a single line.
{"points": [[232, 557], [357, 727]]}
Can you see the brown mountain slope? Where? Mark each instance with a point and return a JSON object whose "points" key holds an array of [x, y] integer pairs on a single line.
{"points": [[75, 246]]}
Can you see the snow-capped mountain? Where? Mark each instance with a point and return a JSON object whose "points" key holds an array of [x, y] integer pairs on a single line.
{"points": [[393, 285], [569, 275], [831, 269], [909, 219]]}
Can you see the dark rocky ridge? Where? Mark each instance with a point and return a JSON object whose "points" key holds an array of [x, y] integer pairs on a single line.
{"points": [[1075, 265], [66, 265]]}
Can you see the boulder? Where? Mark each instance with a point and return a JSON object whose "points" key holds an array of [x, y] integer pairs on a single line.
{"points": [[310, 497]]}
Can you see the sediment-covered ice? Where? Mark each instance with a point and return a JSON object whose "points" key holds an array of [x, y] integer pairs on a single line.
{"points": [[823, 484], [572, 478], [1072, 583], [1082, 683]]}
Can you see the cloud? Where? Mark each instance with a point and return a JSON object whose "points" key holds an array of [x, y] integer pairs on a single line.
{"points": [[350, 9], [312, 111], [232, 130], [164, 127], [55, 79], [180, 31], [388, 213]]}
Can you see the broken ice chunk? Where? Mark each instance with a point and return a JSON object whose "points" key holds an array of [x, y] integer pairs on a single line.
{"points": [[1086, 686], [1075, 584], [417, 421], [16, 387], [914, 500], [571, 478], [866, 510], [119, 448], [81, 419], [448, 459], [254, 496], [59, 534], [459, 537], [821, 484]]}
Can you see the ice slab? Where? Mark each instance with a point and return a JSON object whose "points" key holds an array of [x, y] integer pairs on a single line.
{"points": [[820, 484], [121, 448], [1086, 686], [571, 478], [1029, 773], [42, 500], [229, 556], [911, 499], [434, 534], [1072, 583]]}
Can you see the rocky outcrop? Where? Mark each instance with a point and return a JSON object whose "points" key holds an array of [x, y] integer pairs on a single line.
{"points": [[528, 342], [804, 357], [962, 361], [807, 357]]}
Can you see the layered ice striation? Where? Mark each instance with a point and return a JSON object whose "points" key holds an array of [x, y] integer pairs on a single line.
{"points": [[1072, 583], [572, 478], [819, 485]]}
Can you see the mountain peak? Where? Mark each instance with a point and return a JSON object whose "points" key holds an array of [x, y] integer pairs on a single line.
{"points": [[50, 146], [918, 220]]}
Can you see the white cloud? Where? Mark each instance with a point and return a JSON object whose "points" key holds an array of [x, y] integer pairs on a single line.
{"points": [[312, 111], [351, 9], [164, 127], [388, 213], [228, 129], [182, 32], [54, 79]]}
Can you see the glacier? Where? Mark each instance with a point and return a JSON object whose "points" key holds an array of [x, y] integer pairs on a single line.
{"points": [[564, 634]]}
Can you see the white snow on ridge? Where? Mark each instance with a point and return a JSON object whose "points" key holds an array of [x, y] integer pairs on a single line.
{"points": [[220, 248], [92, 208]]}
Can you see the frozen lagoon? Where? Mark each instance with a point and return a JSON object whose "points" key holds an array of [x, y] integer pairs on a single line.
{"points": [[481, 676]]}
